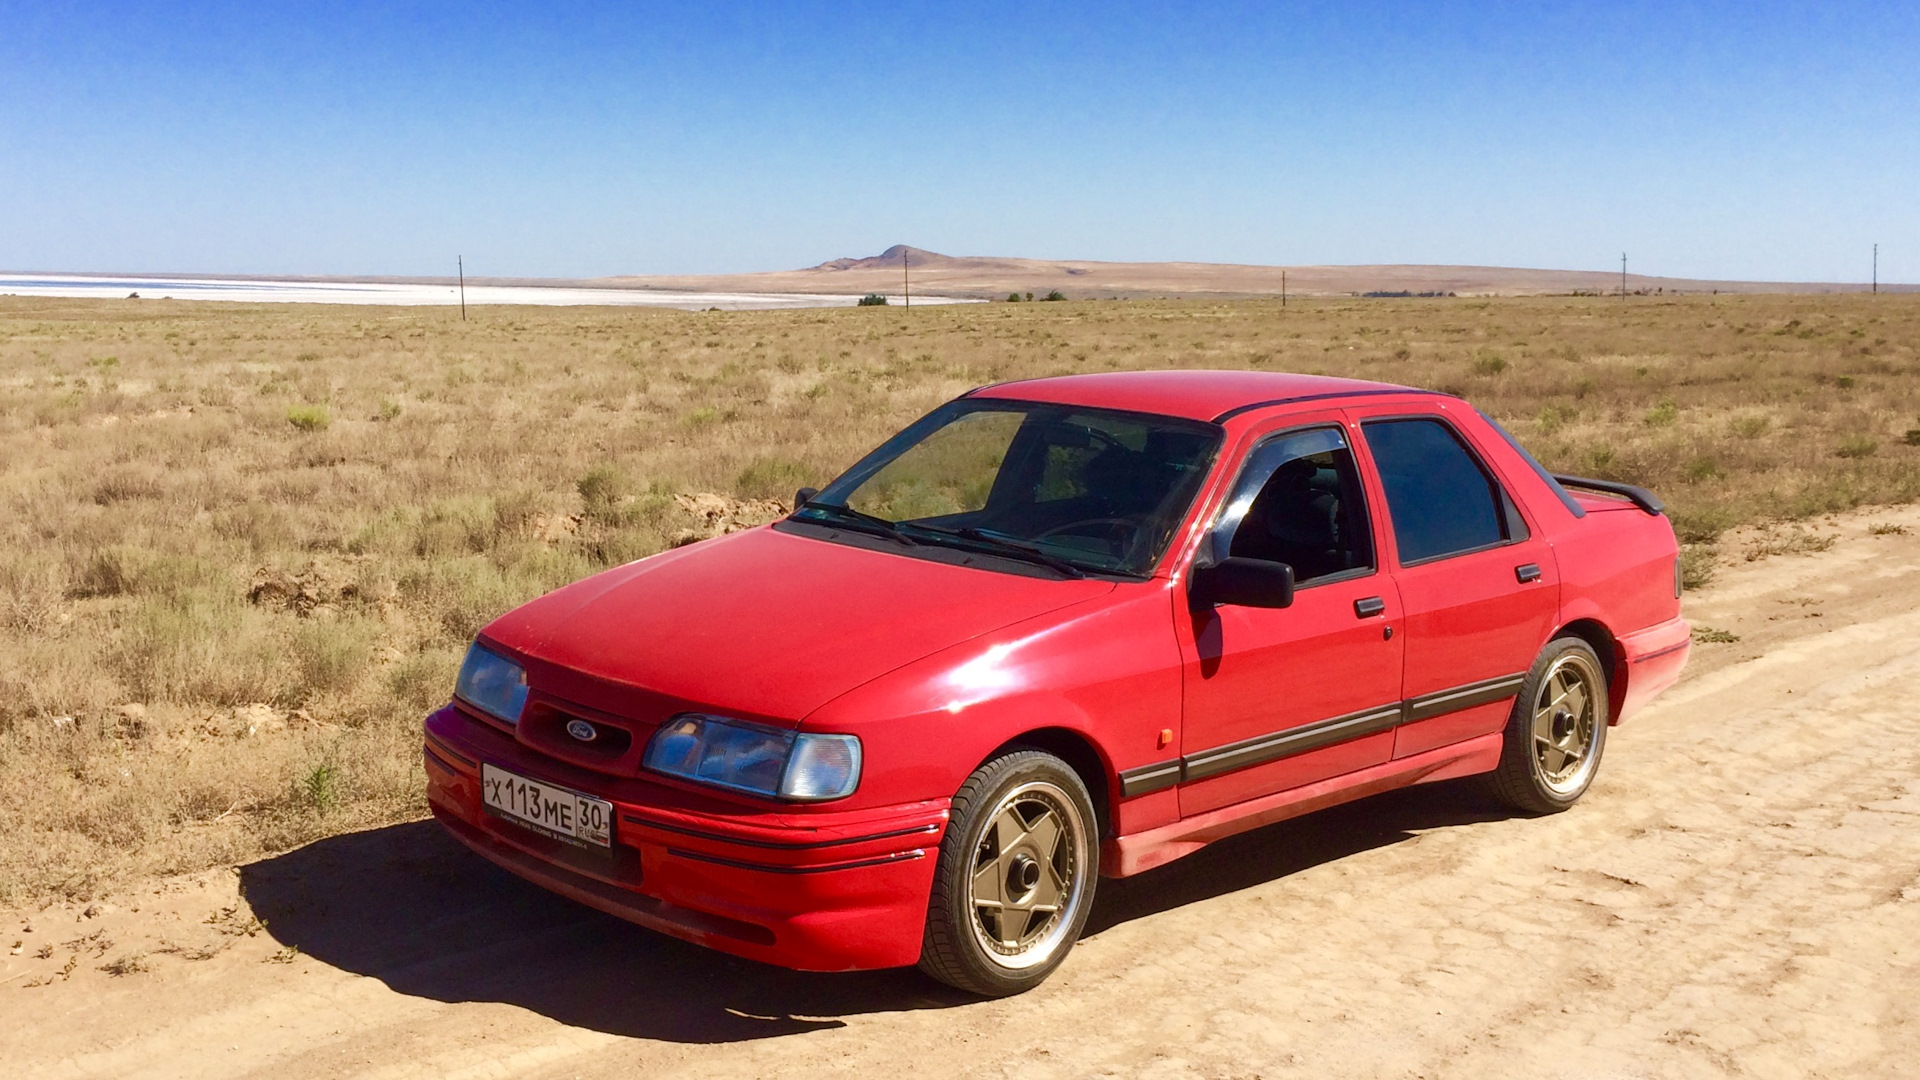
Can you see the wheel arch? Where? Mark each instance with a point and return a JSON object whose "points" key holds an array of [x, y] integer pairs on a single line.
{"points": [[1082, 755], [1613, 659]]}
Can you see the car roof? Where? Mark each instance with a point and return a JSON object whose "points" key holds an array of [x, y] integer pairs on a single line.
{"points": [[1196, 395]]}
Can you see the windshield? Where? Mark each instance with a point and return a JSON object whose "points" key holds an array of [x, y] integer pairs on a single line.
{"points": [[1102, 491]]}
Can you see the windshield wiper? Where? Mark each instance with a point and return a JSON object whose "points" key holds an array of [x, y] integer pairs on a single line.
{"points": [[859, 521], [1012, 548]]}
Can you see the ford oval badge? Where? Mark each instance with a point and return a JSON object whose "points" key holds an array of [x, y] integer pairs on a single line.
{"points": [[582, 730]]}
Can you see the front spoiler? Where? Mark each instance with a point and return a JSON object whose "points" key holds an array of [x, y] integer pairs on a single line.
{"points": [[816, 891]]}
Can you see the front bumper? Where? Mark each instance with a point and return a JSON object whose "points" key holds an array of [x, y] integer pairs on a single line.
{"points": [[813, 889]]}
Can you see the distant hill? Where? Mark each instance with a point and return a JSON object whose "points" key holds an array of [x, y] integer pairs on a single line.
{"points": [[991, 276]]}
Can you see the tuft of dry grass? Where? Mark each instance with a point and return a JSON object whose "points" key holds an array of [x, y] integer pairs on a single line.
{"points": [[244, 546]]}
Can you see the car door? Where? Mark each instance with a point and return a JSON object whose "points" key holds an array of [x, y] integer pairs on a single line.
{"points": [[1480, 590], [1278, 697]]}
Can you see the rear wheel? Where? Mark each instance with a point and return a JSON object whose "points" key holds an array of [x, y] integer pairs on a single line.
{"points": [[1556, 732], [1016, 876]]}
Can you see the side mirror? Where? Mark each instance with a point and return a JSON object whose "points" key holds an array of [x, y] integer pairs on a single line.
{"points": [[1243, 582], [804, 497]]}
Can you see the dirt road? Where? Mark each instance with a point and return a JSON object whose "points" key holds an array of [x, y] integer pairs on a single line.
{"points": [[1739, 895]]}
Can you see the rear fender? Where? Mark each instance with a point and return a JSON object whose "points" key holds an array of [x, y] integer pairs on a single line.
{"points": [[1582, 620]]}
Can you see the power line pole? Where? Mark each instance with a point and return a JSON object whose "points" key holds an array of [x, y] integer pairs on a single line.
{"points": [[906, 282], [1876, 269], [461, 262], [1283, 288], [1623, 275]]}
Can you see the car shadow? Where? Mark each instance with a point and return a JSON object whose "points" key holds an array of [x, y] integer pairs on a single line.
{"points": [[407, 905], [1288, 847]]}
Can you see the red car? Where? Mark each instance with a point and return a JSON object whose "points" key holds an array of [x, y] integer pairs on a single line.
{"points": [[1056, 630]]}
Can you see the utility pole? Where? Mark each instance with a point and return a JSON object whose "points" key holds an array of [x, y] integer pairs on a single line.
{"points": [[1283, 288], [1623, 275], [1876, 269], [906, 283], [461, 262]]}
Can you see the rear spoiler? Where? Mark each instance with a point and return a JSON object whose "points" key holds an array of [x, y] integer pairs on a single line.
{"points": [[1639, 496]]}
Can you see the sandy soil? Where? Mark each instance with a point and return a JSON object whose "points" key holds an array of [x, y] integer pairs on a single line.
{"points": [[1739, 895]]}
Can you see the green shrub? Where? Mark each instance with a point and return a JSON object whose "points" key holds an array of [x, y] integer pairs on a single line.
{"points": [[1013, 298], [1553, 416], [320, 788], [873, 299], [309, 417], [332, 655], [1912, 437], [1701, 526], [1702, 468], [602, 490], [424, 679], [1663, 414], [770, 478], [1055, 295], [1489, 365], [1751, 426], [1857, 446], [1696, 567]]}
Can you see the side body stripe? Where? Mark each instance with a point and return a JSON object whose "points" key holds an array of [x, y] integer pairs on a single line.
{"points": [[1273, 746]]}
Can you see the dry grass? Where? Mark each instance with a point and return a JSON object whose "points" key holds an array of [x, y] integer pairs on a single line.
{"points": [[245, 546]]}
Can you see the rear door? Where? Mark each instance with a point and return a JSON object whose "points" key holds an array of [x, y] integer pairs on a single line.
{"points": [[1480, 590]]}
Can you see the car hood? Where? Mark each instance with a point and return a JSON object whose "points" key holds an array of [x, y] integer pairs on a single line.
{"points": [[762, 624]]}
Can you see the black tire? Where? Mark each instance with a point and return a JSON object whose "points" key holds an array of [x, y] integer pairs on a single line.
{"points": [[1536, 740], [976, 944]]}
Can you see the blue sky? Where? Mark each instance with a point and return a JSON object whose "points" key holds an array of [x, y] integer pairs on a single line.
{"points": [[1749, 140]]}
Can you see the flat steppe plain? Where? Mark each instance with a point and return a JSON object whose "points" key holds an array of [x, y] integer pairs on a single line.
{"points": [[244, 546]]}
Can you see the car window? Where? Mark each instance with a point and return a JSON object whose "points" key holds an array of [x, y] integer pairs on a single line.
{"points": [[1101, 489], [1299, 502], [1440, 499]]}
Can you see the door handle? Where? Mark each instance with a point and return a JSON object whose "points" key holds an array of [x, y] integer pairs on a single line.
{"points": [[1369, 607], [1526, 572]]}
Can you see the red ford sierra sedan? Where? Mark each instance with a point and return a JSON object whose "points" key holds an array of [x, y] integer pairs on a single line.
{"points": [[1052, 631]]}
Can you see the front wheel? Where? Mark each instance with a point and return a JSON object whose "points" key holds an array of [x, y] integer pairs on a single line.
{"points": [[1016, 876], [1556, 732]]}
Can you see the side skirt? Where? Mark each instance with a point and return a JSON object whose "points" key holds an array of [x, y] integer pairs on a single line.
{"points": [[1127, 855]]}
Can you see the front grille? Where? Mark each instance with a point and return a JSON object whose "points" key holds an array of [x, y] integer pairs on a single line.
{"points": [[543, 727]]}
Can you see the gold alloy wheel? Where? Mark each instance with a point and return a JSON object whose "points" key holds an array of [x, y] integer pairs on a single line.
{"points": [[1028, 875], [1565, 722]]}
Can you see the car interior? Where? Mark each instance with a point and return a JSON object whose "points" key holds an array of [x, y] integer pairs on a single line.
{"points": [[1309, 515]]}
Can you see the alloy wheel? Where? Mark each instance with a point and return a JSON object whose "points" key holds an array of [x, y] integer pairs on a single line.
{"points": [[1566, 717], [1027, 875]]}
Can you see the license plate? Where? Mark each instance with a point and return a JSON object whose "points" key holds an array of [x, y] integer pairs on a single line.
{"points": [[544, 808]]}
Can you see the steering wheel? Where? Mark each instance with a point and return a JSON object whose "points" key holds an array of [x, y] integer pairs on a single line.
{"points": [[1104, 527]]}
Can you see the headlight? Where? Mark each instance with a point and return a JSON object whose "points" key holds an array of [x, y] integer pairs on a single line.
{"points": [[756, 758], [492, 683]]}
